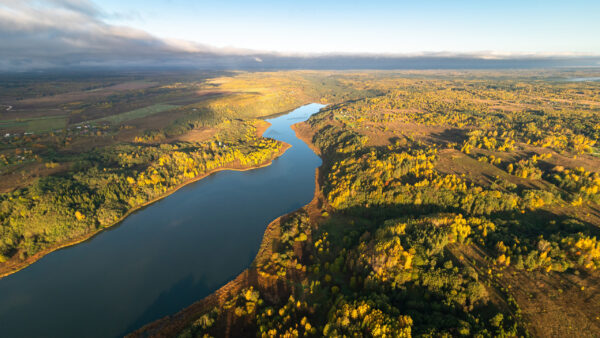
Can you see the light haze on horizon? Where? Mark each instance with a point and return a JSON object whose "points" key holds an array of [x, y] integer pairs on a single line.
{"points": [[376, 26], [44, 34]]}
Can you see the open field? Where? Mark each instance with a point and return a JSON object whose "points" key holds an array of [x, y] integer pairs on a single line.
{"points": [[97, 93], [35, 125], [135, 114]]}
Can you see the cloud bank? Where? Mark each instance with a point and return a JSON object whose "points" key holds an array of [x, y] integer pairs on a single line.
{"points": [[46, 34]]}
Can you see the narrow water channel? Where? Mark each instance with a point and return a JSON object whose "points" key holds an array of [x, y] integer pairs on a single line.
{"points": [[164, 257]]}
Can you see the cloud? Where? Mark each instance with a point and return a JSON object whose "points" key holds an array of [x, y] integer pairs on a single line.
{"points": [[69, 32], [41, 34]]}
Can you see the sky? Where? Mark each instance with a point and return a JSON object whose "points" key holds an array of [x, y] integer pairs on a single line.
{"points": [[374, 26], [38, 34]]}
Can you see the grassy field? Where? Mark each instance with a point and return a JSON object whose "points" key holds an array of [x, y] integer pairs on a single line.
{"points": [[136, 114], [36, 125]]}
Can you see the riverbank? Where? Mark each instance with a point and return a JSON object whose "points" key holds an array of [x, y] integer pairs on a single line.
{"points": [[170, 326], [13, 266]]}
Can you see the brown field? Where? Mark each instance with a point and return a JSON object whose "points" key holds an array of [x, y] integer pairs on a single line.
{"points": [[51, 101]]}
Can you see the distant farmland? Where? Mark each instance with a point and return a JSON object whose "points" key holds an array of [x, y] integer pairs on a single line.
{"points": [[43, 124], [136, 114], [39, 124]]}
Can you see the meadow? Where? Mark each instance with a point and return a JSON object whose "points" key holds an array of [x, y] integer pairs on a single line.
{"points": [[134, 114], [35, 125]]}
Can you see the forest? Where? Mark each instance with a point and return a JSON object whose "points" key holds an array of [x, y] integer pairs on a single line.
{"points": [[447, 205]]}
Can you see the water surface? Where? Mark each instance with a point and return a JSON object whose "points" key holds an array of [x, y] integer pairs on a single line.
{"points": [[583, 79], [164, 257]]}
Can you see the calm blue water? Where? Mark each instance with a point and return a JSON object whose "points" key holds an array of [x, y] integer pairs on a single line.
{"points": [[163, 257], [583, 79]]}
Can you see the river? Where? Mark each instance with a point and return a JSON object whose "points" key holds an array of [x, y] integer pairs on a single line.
{"points": [[163, 257], [583, 79]]}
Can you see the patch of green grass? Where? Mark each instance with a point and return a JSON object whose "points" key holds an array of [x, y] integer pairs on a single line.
{"points": [[36, 125], [136, 114]]}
